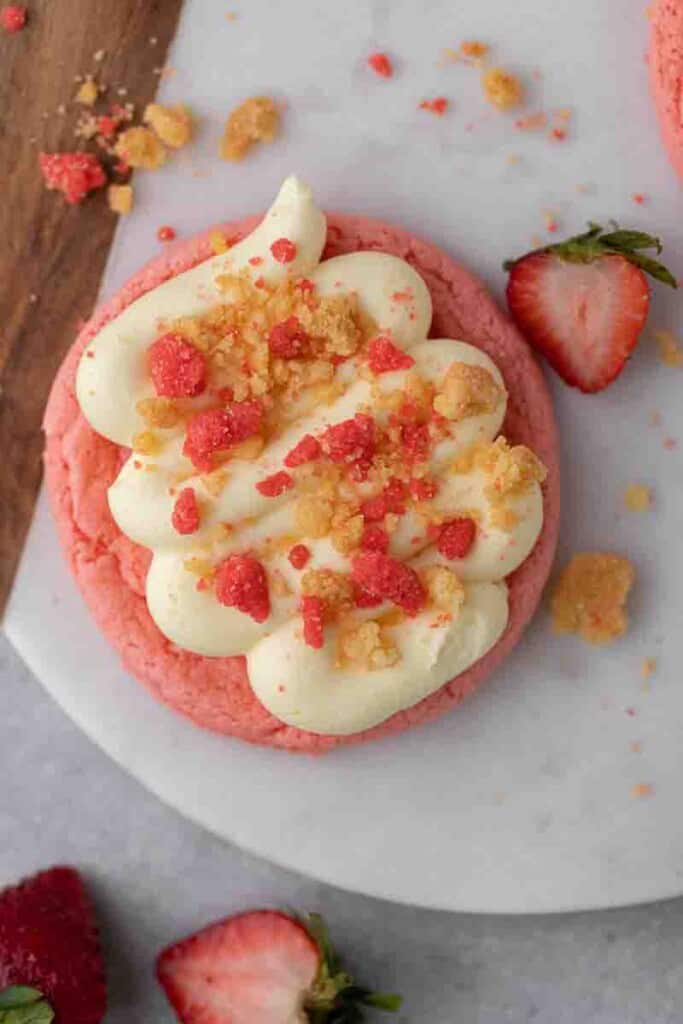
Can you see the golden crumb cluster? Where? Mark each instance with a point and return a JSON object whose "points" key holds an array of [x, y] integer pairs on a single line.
{"points": [[366, 647], [444, 588], [501, 88], [257, 119], [172, 125], [510, 470], [146, 147], [120, 198], [590, 597], [333, 588], [467, 390], [670, 350]]}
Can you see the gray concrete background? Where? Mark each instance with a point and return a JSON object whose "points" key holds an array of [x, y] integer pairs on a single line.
{"points": [[156, 877]]}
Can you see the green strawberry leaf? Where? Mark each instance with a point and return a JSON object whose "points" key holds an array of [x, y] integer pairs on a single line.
{"points": [[20, 1004], [18, 995], [596, 243]]}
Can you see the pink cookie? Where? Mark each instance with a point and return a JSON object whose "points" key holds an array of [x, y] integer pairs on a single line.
{"points": [[666, 73], [110, 569]]}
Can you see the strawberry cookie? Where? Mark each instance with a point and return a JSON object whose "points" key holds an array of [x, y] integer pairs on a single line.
{"points": [[301, 510]]}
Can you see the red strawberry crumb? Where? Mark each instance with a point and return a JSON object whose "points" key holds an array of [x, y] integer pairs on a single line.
{"points": [[438, 106], [305, 285], [219, 429], [381, 64], [241, 583], [177, 368], [260, 282], [166, 233], [388, 578], [306, 450], [558, 134], [106, 126], [122, 168], [288, 339], [639, 198], [299, 556], [73, 174], [313, 614], [384, 356], [415, 441], [13, 18], [48, 940], [276, 484], [283, 250], [406, 296], [456, 537], [352, 440], [255, 261], [364, 599], [423, 489], [185, 516], [391, 499], [374, 538]]}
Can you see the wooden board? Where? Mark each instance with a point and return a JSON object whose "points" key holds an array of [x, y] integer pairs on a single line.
{"points": [[51, 254]]}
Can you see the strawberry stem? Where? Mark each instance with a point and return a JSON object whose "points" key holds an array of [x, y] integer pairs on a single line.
{"points": [[596, 242]]}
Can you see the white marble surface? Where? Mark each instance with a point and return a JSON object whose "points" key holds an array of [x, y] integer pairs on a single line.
{"points": [[155, 877], [523, 802]]}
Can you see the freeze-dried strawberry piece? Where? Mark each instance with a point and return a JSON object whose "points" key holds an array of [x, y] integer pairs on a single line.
{"points": [[165, 233], [306, 450], [299, 556], [283, 250], [374, 538], [391, 499], [423, 489], [456, 537], [241, 583], [384, 356], [381, 64], [218, 429], [275, 484], [351, 440], [73, 174], [388, 578], [313, 614], [288, 339], [177, 368], [185, 518], [415, 441], [13, 18]]}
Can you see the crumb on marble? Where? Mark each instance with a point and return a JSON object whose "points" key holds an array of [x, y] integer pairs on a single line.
{"points": [[257, 119], [638, 497], [589, 598]]}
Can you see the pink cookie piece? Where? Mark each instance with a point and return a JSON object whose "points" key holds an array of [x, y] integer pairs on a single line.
{"points": [[110, 570], [665, 61]]}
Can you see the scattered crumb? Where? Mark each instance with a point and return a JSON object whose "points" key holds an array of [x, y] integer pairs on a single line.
{"points": [[638, 498], [120, 198], [670, 351], [381, 64], [255, 120], [501, 88], [438, 106], [513, 159], [670, 443], [473, 48], [12, 18], [99, 55], [140, 147], [584, 189], [230, 16], [635, 747], [166, 233], [219, 242], [647, 667], [639, 197], [153, 40], [173, 125], [655, 419], [551, 222], [88, 92], [590, 597], [532, 122], [557, 134], [642, 789]]}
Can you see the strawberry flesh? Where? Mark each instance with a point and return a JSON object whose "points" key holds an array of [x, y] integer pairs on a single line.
{"points": [[585, 317], [255, 968], [48, 941]]}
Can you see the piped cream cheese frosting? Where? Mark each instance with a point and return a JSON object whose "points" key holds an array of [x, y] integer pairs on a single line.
{"points": [[322, 489]]}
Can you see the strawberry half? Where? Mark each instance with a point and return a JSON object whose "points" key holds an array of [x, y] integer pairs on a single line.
{"points": [[262, 967], [583, 302], [49, 947]]}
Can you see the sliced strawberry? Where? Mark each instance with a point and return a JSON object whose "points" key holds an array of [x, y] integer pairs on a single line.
{"points": [[583, 302], [48, 941], [262, 967]]}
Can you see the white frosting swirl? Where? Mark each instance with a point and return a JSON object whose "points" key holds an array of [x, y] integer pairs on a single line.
{"points": [[298, 684]]}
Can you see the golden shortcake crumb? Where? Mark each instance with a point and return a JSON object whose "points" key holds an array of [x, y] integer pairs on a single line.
{"points": [[501, 88], [366, 647], [590, 597], [120, 198], [467, 390], [140, 147], [173, 125], [255, 120]]}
